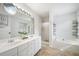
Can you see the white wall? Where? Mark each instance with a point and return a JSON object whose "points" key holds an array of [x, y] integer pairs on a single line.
{"points": [[45, 29], [64, 26], [51, 14], [4, 32]]}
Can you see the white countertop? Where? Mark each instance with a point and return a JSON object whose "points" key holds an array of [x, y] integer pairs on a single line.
{"points": [[7, 46]]}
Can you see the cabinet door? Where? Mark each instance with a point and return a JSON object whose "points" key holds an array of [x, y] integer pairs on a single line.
{"points": [[37, 44], [39, 41], [32, 48], [23, 50], [22, 47], [12, 52]]}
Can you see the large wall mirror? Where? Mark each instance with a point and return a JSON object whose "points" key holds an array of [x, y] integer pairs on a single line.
{"points": [[13, 25], [22, 24], [26, 26]]}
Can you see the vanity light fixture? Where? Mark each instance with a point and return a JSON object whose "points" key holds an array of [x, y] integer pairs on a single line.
{"points": [[23, 12], [10, 8]]}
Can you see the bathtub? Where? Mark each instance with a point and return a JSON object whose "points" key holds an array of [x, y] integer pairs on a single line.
{"points": [[67, 45], [71, 42]]}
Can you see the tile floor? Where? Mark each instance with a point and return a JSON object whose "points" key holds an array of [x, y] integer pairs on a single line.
{"points": [[48, 51]]}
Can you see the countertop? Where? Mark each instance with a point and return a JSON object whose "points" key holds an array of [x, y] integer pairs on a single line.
{"points": [[5, 46]]}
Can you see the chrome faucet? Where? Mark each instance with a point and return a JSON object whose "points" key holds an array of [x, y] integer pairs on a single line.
{"points": [[10, 40]]}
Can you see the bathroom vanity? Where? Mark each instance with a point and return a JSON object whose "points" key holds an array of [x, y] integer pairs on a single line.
{"points": [[19, 34], [27, 47]]}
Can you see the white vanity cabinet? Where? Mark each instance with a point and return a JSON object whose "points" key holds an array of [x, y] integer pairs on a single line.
{"points": [[30, 48], [35, 46], [11, 52]]}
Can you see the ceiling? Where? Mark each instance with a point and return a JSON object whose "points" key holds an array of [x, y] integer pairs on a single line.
{"points": [[65, 8], [42, 9]]}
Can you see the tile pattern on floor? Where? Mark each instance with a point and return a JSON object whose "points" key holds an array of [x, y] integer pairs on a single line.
{"points": [[48, 51]]}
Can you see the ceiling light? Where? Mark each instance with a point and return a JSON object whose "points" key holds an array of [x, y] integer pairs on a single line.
{"points": [[10, 8]]}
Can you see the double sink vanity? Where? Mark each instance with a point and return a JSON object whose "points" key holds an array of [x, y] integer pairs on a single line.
{"points": [[20, 47], [21, 24]]}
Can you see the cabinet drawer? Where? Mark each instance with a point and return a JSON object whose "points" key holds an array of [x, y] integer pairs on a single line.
{"points": [[12, 52]]}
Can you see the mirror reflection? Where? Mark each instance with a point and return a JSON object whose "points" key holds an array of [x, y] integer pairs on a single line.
{"points": [[24, 24]]}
